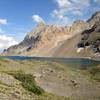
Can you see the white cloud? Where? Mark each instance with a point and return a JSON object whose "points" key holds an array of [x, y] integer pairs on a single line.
{"points": [[73, 4], [66, 7], [3, 21], [60, 16], [62, 3], [37, 18], [6, 41]]}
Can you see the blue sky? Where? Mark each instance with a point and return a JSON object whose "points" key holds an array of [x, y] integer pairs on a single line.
{"points": [[17, 17]]}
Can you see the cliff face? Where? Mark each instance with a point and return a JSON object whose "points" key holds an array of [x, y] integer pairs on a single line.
{"points": [[85, 44], [94, 19], [45, 40]]}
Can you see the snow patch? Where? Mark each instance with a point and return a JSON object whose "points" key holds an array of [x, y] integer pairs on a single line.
{"points": [[79, 50]]}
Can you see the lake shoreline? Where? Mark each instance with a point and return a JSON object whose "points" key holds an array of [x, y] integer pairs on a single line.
{"points": [[88, 58], [44, 57], [80, 62]]}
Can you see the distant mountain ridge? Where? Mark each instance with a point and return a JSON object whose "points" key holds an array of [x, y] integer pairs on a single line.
{"points": [[47, 40]]}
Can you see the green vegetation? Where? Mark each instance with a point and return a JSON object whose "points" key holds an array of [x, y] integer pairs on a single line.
{"points": [[2, 58], [49, 96], [95, 73], [17, 80], [28, 82]]}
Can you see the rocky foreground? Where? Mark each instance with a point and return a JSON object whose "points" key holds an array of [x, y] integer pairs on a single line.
{"points": [[42, 80]]}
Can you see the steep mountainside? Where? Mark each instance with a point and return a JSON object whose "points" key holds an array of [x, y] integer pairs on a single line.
{"points": [[86, 44], [56, 40]]}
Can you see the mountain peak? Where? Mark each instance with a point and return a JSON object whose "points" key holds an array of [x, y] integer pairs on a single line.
{"points": [[94, 19], [97, 14], [42, 23]]}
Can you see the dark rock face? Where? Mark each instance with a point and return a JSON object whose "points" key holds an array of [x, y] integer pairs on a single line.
{"points": [[91, 37]]}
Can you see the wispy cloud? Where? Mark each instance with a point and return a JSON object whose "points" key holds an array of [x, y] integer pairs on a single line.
{"points": [[3, 21], [71, 7], [37, 18], [6, 41]]}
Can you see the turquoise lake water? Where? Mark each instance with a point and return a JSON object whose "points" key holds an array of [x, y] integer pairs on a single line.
{"points": [[82, 62]]}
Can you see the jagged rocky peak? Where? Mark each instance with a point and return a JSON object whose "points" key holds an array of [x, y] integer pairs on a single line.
{"points": [[41, 33], [96, 15], [94, 19], [44, 30], [79, 26], [37, 30], [41, 24], [80, 23]]}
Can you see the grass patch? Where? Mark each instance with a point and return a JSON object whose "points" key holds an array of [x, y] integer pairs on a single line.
{"points": [[28, 82], [49, 96], [95, 73], [2, 59]]}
